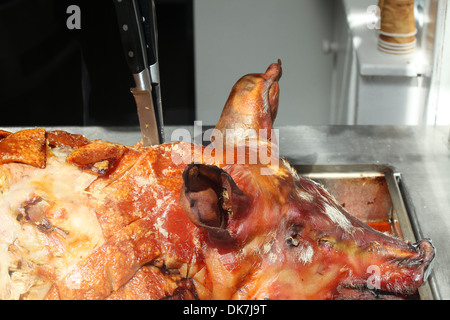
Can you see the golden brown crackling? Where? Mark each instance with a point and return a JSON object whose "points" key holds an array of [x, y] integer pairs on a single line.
{"points": [[97, 157], [25, 146], [111, 265], [61, 138], [147, 173]]}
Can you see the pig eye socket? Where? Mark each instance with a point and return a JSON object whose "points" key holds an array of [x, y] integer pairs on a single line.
{"points": [[293, 239]]}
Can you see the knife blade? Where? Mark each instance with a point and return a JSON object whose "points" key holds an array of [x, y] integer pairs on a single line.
{"points": [[133, 42]]}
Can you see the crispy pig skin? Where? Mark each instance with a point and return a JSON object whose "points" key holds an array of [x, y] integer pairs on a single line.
{"points": [[61, 138], [177, 221], [137, 232], [26, 146], [112, 264], [4, 134], [97, 157]]}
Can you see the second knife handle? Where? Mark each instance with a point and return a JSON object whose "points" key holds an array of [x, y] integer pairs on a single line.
{"points": [[131, 31], [149, 24]]}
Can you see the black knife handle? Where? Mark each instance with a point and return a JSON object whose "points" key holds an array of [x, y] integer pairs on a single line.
{"points": [[131, 31], [149, 23]]}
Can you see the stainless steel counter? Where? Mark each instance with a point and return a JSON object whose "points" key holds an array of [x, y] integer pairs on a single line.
{"points": [[421, 155]]}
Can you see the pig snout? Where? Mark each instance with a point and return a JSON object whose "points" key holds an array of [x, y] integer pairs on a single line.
{"points": [[416, 269], [399, 271], [428, 253]]}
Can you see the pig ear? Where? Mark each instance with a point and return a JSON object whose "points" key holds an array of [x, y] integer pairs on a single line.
{"points": [[251, 106], [208, 197]]}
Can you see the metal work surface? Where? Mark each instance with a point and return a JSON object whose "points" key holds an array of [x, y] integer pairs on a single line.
{"points": [[420, 155]]}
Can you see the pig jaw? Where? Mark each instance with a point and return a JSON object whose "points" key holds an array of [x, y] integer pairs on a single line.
{"points": [[265, 269], [371, 265], [355, 268]]}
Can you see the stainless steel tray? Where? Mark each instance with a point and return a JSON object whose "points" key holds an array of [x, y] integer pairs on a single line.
{"points": [[372, 194]]}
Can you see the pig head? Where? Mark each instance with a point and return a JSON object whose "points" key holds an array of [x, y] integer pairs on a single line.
{"points": [[282, 236]]}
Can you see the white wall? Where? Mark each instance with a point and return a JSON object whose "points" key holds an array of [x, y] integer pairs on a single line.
{"points": [[236, 37], [439, 98]]}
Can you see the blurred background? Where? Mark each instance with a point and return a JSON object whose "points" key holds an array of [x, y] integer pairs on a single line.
{"points": [[50, 75]]}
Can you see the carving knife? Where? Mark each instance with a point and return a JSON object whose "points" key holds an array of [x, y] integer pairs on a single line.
{"points": [[132, 31]]}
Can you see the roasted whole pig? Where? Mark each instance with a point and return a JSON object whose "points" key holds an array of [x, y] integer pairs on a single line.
{"points": [[82, 219]]}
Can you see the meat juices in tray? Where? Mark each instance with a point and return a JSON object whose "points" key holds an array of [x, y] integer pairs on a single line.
{"points": [[82, 219]]}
